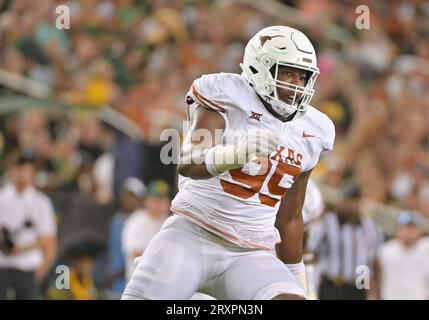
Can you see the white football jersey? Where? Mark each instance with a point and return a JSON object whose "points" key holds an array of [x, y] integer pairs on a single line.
{"points": [[240, 205]]}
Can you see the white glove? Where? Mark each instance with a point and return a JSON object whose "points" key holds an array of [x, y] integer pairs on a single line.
{"points": [[298, 270], [251, 146]]}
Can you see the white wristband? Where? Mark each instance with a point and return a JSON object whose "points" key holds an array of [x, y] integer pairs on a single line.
{"points": [[296, 268], [210, 162], [220, 159]]}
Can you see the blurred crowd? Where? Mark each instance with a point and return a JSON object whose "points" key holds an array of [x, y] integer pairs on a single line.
{"points": [[140, 58], [69, 150]]}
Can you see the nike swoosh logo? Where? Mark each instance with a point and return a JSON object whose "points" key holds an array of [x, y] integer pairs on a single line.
{"points": [[307, 135]]}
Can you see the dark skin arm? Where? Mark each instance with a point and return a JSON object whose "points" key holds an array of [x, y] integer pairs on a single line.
{"points": [[290, 223], [209, 121]]}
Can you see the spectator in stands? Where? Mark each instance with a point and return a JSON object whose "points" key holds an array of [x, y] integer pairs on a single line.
{"points": [[132, 194], [28, 239], [142, 226], [404, 261], [80, 257]]}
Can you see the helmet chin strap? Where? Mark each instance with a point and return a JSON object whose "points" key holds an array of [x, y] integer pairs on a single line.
{"points": [[277, 107], [291, 117], [294, 115], [268, 105]]}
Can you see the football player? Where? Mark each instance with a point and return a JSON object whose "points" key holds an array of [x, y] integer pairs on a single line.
{"points": [[240, 197]]}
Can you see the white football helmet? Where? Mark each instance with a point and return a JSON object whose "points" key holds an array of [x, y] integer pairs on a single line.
{"points": [[280, 46]]}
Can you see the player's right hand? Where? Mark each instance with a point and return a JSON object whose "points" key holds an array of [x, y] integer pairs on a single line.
{"points": [[251, 146], [256, 144]]}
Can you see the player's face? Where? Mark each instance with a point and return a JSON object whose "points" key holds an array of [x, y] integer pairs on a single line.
{"points": [[290, 75]]}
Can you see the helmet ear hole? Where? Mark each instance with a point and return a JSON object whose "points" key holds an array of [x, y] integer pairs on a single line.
{"points": [[253, 69], [273, 71], [308, 77]]}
